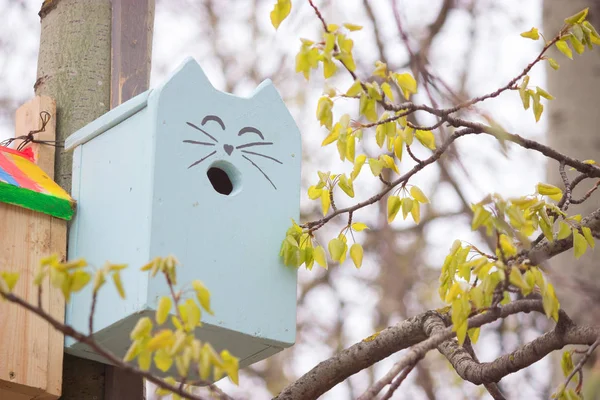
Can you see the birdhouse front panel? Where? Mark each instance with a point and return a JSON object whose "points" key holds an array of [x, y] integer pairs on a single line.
{"points": [[226, 186], [209, 177]]}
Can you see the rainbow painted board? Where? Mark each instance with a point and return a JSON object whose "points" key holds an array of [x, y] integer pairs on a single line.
{"points": [[24, 184]]}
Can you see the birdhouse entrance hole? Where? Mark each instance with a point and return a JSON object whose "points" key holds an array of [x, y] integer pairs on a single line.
{"points": [[224, 178]]}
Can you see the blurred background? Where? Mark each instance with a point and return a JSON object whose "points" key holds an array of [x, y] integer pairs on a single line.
{"points": [[471, 47]]}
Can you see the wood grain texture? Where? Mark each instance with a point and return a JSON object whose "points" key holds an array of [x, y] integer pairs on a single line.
{"points": [[30, 349], [131, 48]]}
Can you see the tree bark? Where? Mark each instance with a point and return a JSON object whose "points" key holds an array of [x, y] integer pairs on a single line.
{"points": [[74, 69], [573, 129], [573, 126]]}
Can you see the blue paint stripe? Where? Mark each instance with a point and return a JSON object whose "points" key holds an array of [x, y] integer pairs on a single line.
{"points": [[7, 178]]}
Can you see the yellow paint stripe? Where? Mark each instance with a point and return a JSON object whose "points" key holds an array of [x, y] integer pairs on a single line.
{"points": [[36, 174]]}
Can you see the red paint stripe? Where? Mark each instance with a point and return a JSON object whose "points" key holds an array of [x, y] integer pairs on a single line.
{"points": [[27, 153], [7, 165]]}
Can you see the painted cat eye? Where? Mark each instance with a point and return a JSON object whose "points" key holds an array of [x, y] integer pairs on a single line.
{"points": [[250, 129]]}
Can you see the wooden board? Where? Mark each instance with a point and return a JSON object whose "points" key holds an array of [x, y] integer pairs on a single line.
{"points": [[30, 349]]}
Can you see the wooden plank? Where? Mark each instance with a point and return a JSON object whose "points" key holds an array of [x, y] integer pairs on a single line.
{"points": [[30, 349], [131, 48]]}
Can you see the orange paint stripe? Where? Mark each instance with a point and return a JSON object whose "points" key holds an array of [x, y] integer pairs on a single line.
{"points": [[8, 165]]}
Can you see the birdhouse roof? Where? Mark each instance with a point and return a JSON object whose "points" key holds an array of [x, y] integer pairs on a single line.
{"points": [[23, 183], [108, 120]]}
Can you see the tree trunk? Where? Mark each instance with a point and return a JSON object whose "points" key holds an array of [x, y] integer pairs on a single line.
{"points": [[574, 122], [74, 69]]}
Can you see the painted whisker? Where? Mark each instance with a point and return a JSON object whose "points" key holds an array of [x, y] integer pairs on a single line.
{"points": [[254, 144], [203, 131], [261, 171], [202, 159], [197, 142], [262, 155]]}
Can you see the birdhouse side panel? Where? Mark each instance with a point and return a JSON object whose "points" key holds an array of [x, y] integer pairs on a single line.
{"points": [[226, 186], [112, 185]]}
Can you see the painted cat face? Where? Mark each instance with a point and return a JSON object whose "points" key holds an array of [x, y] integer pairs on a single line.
{"points": [[203, 132], [254, 143]]}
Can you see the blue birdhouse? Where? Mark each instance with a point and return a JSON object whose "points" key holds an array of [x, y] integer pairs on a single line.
{"points": [[209, 177]]}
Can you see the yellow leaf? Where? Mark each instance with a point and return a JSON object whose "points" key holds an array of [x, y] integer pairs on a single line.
{"points": [[408, 135], [350, 147], [324, 113], [144, 360], [359, 226], [579, 244], [407, 206], [550, 302], [389, 163], [325, 201], [163, 360], [355, 89], [333, 136], [549, 190], [230, 366], [142, 329], [543, 93], [352, 27], [203, 295], [516, 279], [393, 206], [587, 234], [553, 64], [336, 249], [193, 313], [577, 18], [387, 90], [474, 334], [407, 83], [376, 166], [314, 193], [332, 27], [79, 279], [320, 257], [426, 138], [118, 284], [356, 253], [564, 230], [564, 48], [160, 340], [418, 195], [416, 211], [163, 309], [398, 147], [329, 68], [132, 352], [280, 11], [507, 246], [380, 69], [358, 163], [346, 185], [11, 279], [533, 34]]}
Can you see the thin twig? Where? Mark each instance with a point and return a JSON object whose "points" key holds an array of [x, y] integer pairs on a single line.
{"points": [[580, 364]]}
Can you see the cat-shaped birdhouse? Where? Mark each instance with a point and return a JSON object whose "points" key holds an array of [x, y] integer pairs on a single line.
{"points": [[209, 177]]}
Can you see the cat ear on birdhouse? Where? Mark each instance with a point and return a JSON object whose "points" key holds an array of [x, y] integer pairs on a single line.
{"points": [[267, 93], [191, 74]]}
